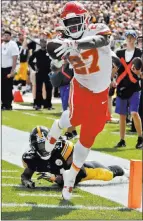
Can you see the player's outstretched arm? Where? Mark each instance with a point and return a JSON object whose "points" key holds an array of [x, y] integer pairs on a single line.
{"points": [[89, 42], [93, 42]]}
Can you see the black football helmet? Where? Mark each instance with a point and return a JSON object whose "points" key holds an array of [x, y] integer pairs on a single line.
{"points": [[37, 141]]}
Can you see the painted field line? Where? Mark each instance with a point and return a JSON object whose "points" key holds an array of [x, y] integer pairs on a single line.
{"points": [[102, 185], [21, 186], [43, 195], [62, 207], [127, 135], [50, 118], [10, 171], [14, 185], [35, 115], [13, 177]]}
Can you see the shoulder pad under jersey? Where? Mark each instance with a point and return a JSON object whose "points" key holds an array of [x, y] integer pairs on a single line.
{"points": [[99, 29], [30, 154]]}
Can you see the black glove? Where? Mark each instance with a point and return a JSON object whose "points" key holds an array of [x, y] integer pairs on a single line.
{"points": [[28, 183]]}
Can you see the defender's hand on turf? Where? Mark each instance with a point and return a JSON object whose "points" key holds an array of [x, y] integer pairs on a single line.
{"points": [[28, 183], [47, 176]]}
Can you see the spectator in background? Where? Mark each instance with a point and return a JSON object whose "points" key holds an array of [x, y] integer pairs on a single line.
{"points": [[61, 80], [140, 45], [42, 68], [36, 16], [10, 54], [21, 75], [128, 89]]}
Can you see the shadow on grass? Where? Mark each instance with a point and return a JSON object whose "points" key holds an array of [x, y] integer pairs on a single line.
{"points": [[103, 184], [25, 104], [45, 188], [37, 213]]}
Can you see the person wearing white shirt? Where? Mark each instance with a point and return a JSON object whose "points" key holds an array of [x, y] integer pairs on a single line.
{"points": [[10, 54]]}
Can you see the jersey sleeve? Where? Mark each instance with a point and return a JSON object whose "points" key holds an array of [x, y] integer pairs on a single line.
{"points": [[65, 148], [29, 160], [100, 29]]}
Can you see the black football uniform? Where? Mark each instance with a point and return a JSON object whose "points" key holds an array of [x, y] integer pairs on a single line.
{"points": [[58, 162]]}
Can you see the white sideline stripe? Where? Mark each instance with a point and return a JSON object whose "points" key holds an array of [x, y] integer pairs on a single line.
{"points": [[10, 171], [42, 195], [61, 207], [13, 177]]}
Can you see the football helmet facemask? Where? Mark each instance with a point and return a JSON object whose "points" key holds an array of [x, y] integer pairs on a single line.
{"points": [[75, 19], [37, 141]]}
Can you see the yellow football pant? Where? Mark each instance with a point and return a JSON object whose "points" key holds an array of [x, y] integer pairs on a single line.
{"points": [[22, 72], [98, 174]]}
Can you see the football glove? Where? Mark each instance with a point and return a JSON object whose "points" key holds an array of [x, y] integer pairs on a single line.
{"points": [[66, 47], [46, 176], [28, 183]]}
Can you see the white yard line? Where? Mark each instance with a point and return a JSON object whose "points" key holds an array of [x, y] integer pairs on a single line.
{"points": [[12, 177], [21, 186], [50, 118], [11, 184], [35, 115], [62, 207], [127, 135], [44, 195], [10, 171]]}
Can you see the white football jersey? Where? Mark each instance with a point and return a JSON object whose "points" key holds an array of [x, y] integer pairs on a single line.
{"points": [[93, 67]]}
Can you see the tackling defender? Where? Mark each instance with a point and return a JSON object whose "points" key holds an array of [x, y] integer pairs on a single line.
{"points": [[88, 51], [37, 160]]}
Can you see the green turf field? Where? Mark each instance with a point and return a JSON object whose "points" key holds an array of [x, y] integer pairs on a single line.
{"points": [[14, 196], [25, 120], [19, 204]]}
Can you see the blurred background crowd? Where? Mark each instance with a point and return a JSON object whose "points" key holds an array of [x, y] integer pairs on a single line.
{"points": [[43, 16]]}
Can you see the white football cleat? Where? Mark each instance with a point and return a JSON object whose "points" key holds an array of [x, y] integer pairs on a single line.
{"points": [[67, 193], [68, 186], [127, 173]]}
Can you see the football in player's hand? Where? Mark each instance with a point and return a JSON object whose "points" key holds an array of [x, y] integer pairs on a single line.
{"points": [[51, 47], [137, 62]]}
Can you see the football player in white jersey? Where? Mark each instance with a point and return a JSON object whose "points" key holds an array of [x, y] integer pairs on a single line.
{"points": [[88, 51]]}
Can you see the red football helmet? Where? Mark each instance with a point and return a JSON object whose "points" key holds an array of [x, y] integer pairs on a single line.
{"points": [[75, 18]]}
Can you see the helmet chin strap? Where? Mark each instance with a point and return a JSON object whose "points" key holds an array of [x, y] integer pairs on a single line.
{"points": [[76, 35]]}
